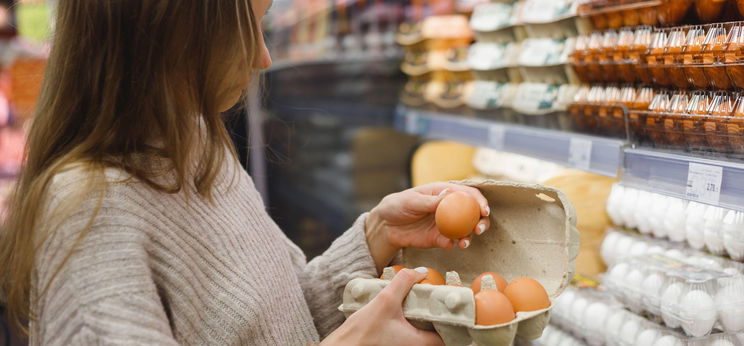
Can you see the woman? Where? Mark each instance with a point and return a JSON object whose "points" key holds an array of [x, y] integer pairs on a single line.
{"points": [[134, 224]]}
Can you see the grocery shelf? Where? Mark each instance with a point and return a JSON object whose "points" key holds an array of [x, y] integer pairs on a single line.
{"points": [[285, 64], [676, 175], [594, 154]]}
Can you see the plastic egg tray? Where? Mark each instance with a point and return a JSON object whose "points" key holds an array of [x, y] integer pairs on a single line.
{"points": [[704, 227], [593, 316], [694, 298], [618, 246], [532, 234]]}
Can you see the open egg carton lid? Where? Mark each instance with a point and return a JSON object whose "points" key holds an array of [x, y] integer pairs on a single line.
{"points": [[532, 234]]}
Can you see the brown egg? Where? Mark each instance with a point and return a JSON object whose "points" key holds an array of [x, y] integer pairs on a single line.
{"points": [[492, 307], [527, 294], [740, 6], [433, 277], [457, 215], [709, 10], [500, 282]]}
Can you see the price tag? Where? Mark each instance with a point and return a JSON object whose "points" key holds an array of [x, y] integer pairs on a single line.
{"points": [[580, 153], [704, 183], [412, 123], [496, 134]]}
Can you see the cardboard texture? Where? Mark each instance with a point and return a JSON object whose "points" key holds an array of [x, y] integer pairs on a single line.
{"points": [[533, 233]]}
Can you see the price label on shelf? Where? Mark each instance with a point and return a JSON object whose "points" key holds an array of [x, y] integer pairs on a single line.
{"points": [[412, 121], [704, 183], [580, 153], [496, 134]]}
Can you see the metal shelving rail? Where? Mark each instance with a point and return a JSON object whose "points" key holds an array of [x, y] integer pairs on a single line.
{"points": [[712, 181], [590, 153]]}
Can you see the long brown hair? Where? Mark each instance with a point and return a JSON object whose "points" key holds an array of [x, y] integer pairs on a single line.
{"points": [[122, 75]]}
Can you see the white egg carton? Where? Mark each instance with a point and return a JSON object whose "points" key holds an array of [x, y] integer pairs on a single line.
{"points": [[694, 298], [532, 234], [592, 315], [704, 227]]}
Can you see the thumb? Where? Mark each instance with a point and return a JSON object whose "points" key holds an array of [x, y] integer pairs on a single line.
{"points": [[402, 283]]}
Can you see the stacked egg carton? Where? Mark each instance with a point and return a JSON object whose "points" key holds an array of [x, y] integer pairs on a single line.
{"points": [[717, 230], [619, 246], [520, 60], [434, 60], [595, 317]]}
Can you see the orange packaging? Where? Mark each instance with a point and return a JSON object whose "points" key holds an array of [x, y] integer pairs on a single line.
{"points": [[637, 116], [720, 107], [636, 55], [708, 11], [732, 56], [671, 12], [693, 57], [655, 118], [623, 65], [673, 59], [591, 59], [614, 20], [576, 108], [611, 98], [631, 17], [673, 121], [692, 123], [577, 58], [649, 15], [735, 127], [655, 58], [595, 98], [714, 57], [605, 56], [599, 21]]}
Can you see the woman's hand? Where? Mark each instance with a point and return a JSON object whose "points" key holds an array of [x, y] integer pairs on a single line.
{"points": [[406, 219], [381, 322]]}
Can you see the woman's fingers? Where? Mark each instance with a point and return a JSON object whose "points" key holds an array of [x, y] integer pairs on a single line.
{"points": [[398, 289]]}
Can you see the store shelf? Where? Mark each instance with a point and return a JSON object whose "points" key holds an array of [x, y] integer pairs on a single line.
{"points": [[669, 174], [590, 153], [339, 60]]}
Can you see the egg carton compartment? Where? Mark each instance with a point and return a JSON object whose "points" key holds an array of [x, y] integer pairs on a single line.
{"points": [[595, 317], [714, 229], [532, 234], [696, 299], [615, 14]]}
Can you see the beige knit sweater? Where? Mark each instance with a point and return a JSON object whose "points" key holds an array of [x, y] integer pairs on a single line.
{"points": [[164, 269]]}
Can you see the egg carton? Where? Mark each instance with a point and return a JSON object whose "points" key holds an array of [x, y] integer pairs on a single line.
{"points": [[696, 299], [533, 233], [703, 227], [595, 317]]}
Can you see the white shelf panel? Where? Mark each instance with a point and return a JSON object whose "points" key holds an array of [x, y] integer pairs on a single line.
{"points": [[594, 154]]}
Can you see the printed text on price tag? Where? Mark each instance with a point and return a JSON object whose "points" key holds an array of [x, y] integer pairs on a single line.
{"points": [[580, 153], [704, 183]]}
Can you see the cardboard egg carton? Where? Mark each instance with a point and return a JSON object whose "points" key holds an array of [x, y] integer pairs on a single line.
{"points": [[533, 233]]}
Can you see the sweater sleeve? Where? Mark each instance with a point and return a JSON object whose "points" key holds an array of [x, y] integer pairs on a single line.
{"points": [[323, 279], [104, 292]]}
